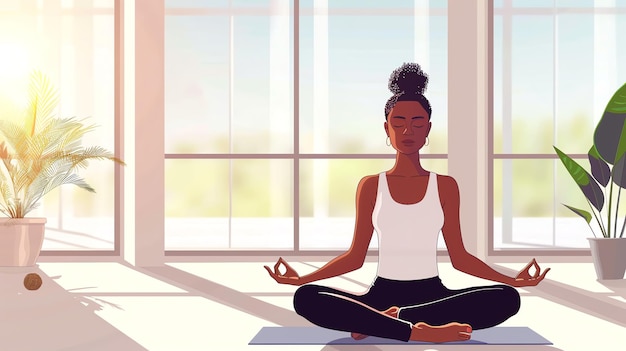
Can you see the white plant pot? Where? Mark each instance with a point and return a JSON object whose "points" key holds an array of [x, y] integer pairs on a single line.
{"points": [[20, 241], [609, 257]]}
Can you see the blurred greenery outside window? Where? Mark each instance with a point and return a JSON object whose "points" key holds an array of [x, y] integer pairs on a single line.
{"points": [[229, 115]]}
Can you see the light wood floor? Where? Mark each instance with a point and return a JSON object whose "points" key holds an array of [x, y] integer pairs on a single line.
{"points": [[222, 305]]}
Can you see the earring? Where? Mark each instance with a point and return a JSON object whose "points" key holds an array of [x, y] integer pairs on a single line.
{"points": [[427, 141], [388, 141]]}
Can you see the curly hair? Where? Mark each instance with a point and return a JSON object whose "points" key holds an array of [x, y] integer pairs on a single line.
{"points": [[408, 83]]}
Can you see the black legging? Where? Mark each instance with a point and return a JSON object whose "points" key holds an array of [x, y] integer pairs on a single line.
{"points": [[426, 300]]}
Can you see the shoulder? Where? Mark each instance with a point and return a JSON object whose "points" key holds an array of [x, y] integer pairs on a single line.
{"points": [[448, 187], [446, 182], [368, 186]]}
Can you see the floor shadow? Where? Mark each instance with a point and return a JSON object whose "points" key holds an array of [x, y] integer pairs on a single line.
{"points": [[618, 286], [594, 304], [52, 318], [224, 295]]}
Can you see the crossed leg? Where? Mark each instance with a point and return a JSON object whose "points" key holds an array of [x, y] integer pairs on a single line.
{"points": [[452, 316]]}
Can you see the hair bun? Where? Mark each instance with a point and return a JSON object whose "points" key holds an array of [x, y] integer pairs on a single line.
{"points": [[408, 78]]}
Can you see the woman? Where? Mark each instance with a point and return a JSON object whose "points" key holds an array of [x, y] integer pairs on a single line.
{"points": [[408, 206]]}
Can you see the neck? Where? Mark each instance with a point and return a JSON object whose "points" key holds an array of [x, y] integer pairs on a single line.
{"points": [[408, 165]]}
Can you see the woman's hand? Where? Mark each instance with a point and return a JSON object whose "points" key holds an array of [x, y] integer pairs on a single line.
{"points": [[524, 278], [289, 277]]}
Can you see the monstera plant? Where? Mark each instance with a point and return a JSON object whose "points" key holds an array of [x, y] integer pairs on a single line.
{"points": [[607, 160], [39, 152]]}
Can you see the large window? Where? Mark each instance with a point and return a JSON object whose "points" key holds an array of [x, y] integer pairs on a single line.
{"points": [[274, 112], [73, 43], [556, 65]]}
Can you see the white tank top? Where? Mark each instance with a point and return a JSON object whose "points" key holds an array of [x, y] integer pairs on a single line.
{"points": [[407, 234]]}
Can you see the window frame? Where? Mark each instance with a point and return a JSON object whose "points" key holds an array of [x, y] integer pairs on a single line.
{"points": [[296, 156], [508, 11], [476, 187], [117, 12]]}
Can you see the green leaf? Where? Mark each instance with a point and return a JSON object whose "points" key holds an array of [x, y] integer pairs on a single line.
{"points": [[584, 214], [599, 168], [617, 104], [585, 181], [577, 172], [610, 134], [619, 172]]}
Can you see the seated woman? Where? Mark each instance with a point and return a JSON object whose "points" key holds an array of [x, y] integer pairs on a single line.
{"points": [[408, 206]]}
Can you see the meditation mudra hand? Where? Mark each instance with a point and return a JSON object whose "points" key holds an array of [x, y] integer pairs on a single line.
{"points": [[289, 277], [524, 278], [407, 207]]}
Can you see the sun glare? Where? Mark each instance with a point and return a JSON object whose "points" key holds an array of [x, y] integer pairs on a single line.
{"points": [[14, 71], [13, 61]]}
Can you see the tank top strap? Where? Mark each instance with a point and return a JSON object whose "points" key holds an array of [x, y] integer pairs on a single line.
{"points": [[433, 189], [383, 187], [432, 178]]}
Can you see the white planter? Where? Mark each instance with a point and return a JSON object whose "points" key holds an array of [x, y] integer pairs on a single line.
{"points": [[609, 257], [20, 241]]}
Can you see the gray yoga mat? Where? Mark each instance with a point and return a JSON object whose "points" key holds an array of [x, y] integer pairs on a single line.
{"points": [[322, 336]]}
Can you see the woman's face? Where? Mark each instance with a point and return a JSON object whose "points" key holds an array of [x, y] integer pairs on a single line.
{"points": [[407, 126]]}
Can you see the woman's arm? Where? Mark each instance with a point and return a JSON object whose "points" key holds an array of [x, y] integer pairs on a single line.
{"points": [[460, 258], [355, 256]]}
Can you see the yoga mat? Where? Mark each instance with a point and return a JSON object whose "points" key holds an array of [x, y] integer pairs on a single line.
{"points": [[323, 336]]}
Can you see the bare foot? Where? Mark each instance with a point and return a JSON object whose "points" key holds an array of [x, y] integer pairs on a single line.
{"points": [[442, 333], [391, 312]]}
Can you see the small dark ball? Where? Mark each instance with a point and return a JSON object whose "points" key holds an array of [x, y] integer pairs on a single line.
{"points": [[32, 281]]}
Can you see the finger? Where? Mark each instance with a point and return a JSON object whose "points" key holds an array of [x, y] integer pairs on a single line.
{"points": [[274, 276], [287, 266], [269, 271], [524, 272], [528, 265], [544, 274], [537, 269], [277, 265]]}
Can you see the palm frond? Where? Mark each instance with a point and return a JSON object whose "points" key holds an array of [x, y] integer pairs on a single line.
{"points": [[6, 157], [55, 129], [14, 136], [79, 182], [6, 209], [5, 190], [80, 157], [50, 178], [40, 153], [43, 99], [75, 133]]}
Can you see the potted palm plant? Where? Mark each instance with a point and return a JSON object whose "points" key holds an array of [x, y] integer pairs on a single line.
{"points": [[607, 160], [39, 152]]}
